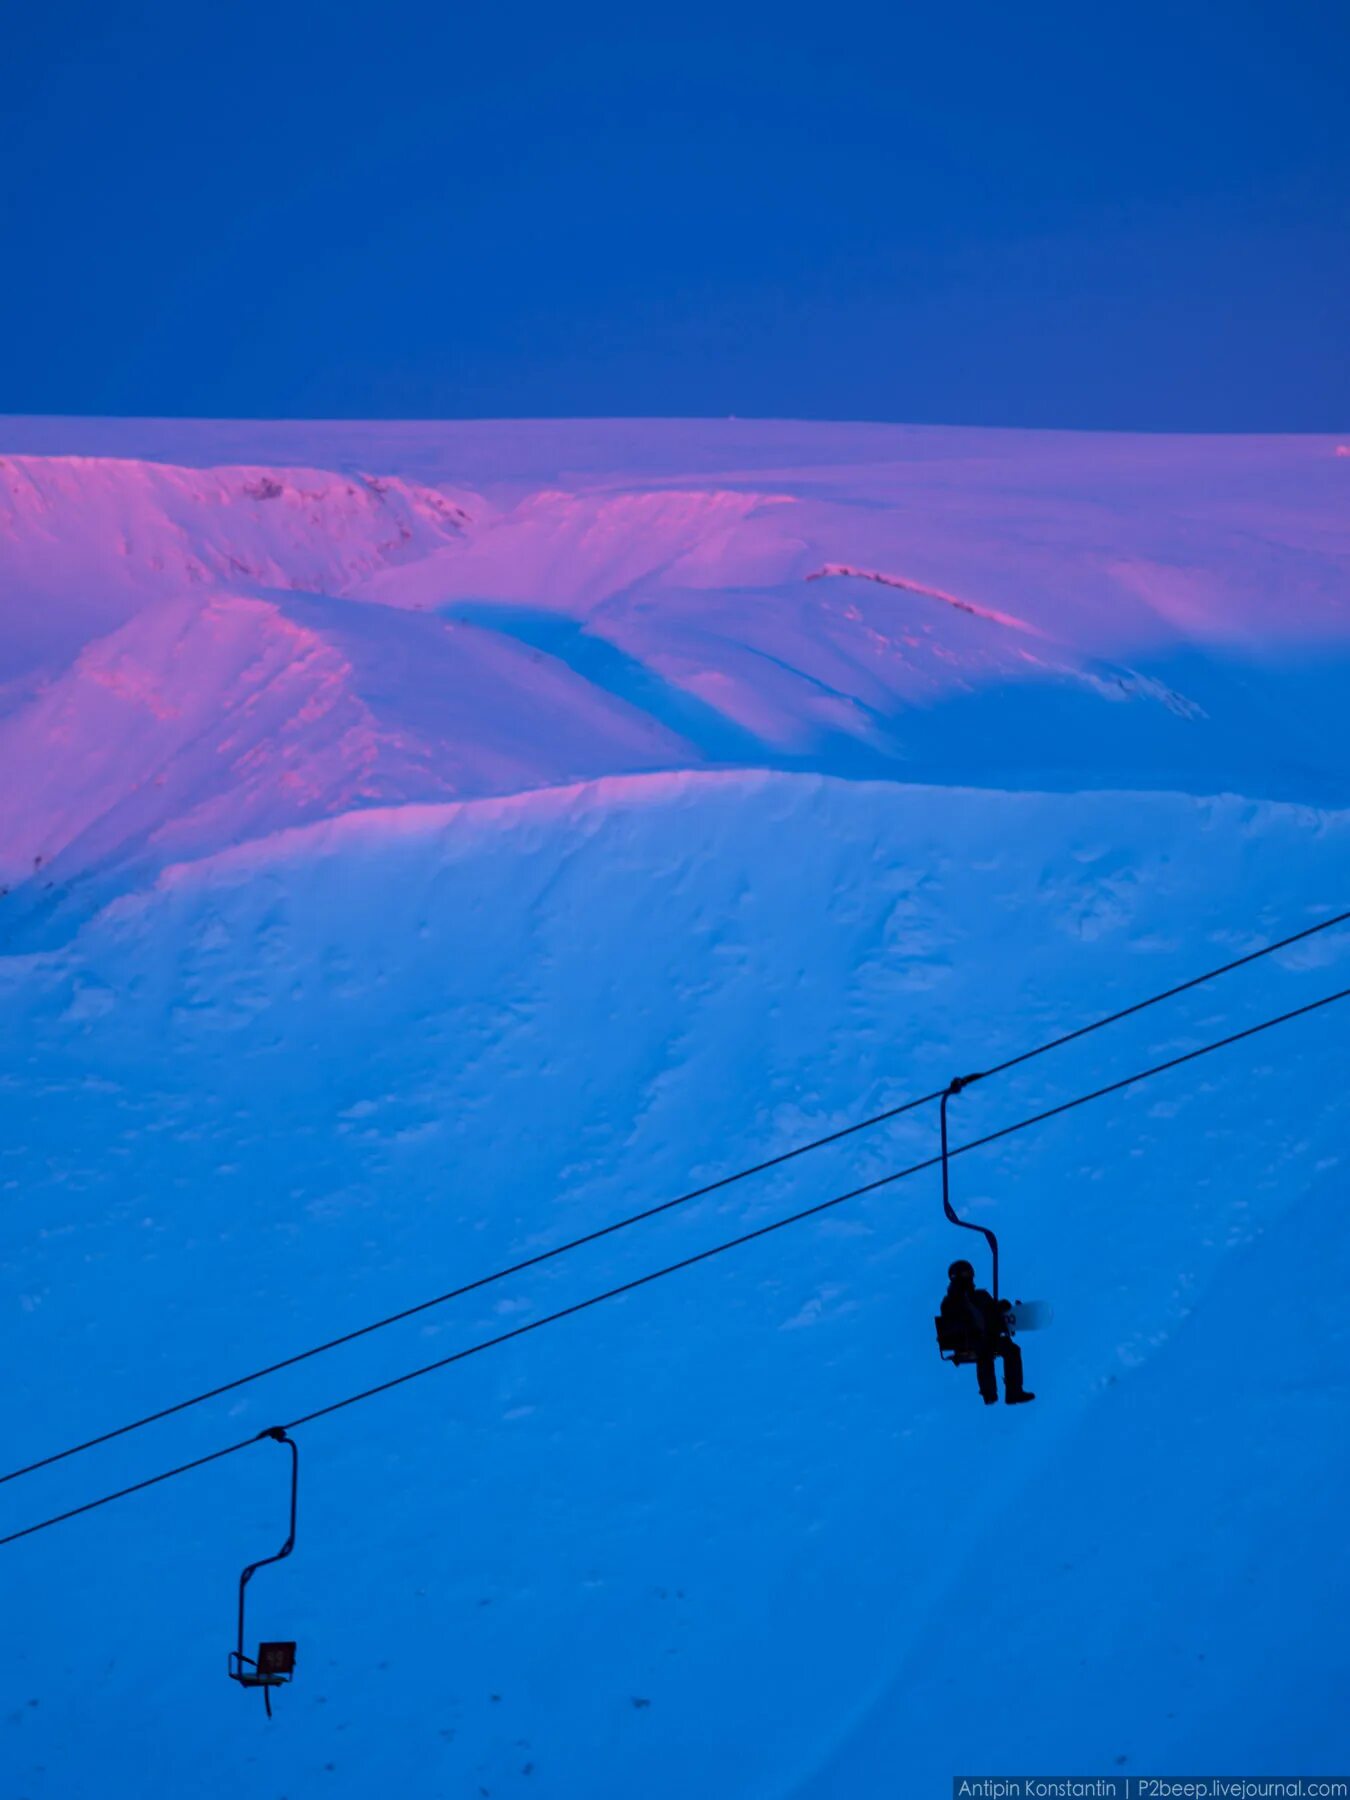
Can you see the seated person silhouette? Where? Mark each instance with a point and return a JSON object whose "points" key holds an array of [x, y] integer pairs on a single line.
{"points": [[980, 1324]]}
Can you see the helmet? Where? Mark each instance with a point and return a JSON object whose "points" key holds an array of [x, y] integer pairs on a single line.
{"points": [[961, 1271]]}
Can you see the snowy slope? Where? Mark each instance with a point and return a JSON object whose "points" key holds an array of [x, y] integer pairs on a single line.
{"points": [[267, 643], [416, 901]]}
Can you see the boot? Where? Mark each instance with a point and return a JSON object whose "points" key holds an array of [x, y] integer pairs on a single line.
{"points": [[1019, 1398]]}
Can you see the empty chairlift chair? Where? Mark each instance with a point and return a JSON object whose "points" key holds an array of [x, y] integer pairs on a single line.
{"points": [[274, 1665]]}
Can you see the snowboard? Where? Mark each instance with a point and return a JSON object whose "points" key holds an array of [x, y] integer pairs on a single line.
{"points": [[1031, 1315]]}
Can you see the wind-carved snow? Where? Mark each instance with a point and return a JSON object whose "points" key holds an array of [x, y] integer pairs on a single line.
{"points": [[307, 528], [410, 870], [86, 542], [930, 593], [1129, 683], [570, 552]]}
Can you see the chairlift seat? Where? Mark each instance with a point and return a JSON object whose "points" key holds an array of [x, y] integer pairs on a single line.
{"points": [[275, 1665], [953, 1344]]}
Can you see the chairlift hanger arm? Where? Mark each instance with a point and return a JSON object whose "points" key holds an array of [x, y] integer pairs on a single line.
{"points": [[278, 1434], [957, 1085]]}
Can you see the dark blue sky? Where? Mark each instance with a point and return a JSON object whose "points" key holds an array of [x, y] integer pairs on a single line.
{"points": [[1135, 215]]}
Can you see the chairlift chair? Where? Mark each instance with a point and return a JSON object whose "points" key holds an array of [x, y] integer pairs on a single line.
{"points": [[953, 1343], [274, 1665]]}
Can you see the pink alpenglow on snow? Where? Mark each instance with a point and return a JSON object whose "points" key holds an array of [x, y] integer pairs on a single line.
{"points": [[197, 652]]}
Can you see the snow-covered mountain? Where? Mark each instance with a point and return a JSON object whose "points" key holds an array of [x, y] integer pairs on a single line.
{"points": [[425, 843]]}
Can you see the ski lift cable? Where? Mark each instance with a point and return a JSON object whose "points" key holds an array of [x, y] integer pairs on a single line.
{"points": [[687, 1262], [664, 1206]]}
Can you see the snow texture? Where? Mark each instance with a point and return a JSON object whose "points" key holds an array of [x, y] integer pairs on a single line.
{"points": [[425, 843]]}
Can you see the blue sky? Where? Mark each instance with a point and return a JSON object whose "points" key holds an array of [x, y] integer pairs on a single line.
{"points": [[1134, 216]]}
